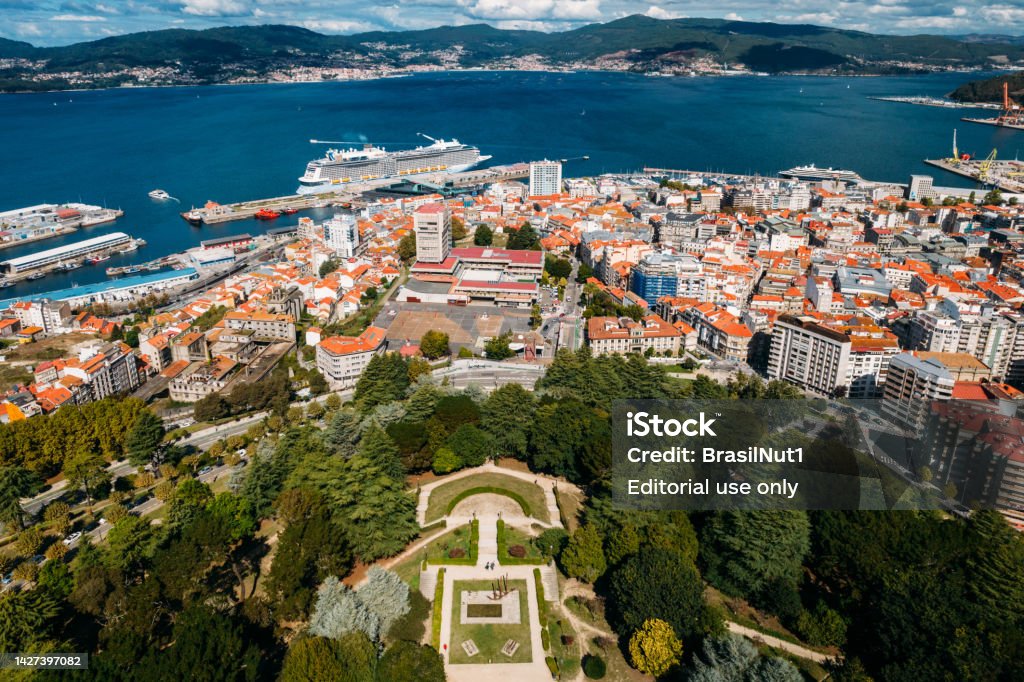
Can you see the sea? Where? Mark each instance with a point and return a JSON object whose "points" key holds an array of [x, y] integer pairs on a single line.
{"points": [[232, 143]]}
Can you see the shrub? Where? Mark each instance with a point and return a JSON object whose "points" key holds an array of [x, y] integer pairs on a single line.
{"points": [[27, 571], [542, 606], [435, 623], [517, 551], [594, 667], [545, 639], [552, 666], [56, 551], [568, 640]]}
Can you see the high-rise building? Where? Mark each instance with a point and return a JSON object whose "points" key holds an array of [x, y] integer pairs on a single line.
{"points": [[920, 187], [341, 235], [828, 360], [911, 386], [545, 178], [433, 226]]}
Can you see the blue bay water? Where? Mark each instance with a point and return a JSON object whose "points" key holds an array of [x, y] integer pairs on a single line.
{"points": [[231, 143]]}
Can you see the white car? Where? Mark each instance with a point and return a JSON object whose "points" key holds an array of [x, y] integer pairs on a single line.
{"points": [[71, 539]]}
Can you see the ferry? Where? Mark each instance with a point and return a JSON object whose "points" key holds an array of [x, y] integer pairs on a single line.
{"points": [[338, 167], [159, 194], [266, 214], [812, 173]]}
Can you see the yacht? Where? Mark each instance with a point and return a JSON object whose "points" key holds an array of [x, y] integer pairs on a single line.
{"points": [[159, 194]]}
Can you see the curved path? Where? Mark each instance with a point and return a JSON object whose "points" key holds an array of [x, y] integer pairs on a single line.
{"points": [[776, 643]]}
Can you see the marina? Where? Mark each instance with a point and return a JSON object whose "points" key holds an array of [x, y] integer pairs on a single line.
{"points": [[937, 102], [35, 266]]}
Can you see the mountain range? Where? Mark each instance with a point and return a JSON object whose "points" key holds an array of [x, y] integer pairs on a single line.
{"points": [[640, 42]]}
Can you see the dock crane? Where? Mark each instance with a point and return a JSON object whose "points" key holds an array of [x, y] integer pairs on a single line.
{"points": [[957, 156], [985, 165], [1011, 113]]}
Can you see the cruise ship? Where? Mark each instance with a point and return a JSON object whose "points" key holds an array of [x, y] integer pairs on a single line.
{"points": [[812, 173], [340, 167]]}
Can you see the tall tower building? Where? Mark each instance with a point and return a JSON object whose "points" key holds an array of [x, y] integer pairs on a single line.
{"points": [[545, 178], [433, 226], [341, 235]]}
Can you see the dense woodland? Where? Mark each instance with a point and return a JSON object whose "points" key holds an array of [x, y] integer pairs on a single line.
{"points": [[245, 583]]}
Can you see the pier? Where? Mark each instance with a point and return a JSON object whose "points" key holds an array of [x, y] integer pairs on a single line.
{"points": [[214, 213], [1004, 175]]}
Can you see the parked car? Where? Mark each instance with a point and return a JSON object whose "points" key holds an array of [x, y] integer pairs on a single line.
{"points": [[71, 539]]}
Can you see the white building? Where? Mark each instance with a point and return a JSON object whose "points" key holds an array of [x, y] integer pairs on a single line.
{"points": [[341, 359], [545, 178], [433, 226], [911, 386], [341, 235]]}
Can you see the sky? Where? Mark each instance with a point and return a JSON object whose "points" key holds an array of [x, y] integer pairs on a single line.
{"points": [[60, 22]]}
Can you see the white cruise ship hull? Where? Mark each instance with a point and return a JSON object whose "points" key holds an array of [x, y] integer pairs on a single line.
{"points": [[340, 185]]}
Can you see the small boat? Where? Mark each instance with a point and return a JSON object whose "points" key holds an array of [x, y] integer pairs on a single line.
{"points": [[36, 275], [193, 217], [130, 248], [72, 266], [60, 267], [97, 259], [266, 214], [159, 194], [4, 284], [289, 211]]}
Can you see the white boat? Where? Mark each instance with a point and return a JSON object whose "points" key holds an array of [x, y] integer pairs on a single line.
{"points": [[159, 194]]}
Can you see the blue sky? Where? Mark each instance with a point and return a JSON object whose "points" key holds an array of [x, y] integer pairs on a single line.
{"points": [[58, 22]]}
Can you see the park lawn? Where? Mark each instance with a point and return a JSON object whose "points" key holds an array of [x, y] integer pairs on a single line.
{"points": [[442, 495], [517, 536], [437, 551], [567, 655], [489, 638]]}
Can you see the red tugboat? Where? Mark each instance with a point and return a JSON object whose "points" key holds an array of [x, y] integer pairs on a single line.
{"points": [[289, 211], [266, 214]]}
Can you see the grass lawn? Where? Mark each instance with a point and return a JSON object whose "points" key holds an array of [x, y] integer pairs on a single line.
{"points": [[443, 494], [489, 639], [437, 552], [568, 653], [516, 536]]}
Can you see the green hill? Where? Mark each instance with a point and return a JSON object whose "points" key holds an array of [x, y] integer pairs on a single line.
{"points": [[990, 89]]}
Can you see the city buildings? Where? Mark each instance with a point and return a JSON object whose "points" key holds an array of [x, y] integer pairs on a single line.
{"points": [[341, 359], [433, 226], [611, 335]]}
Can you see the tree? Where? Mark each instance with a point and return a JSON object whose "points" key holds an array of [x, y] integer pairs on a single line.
{"points": [[86, 469], [524, 239], [385, 595], [327, 267], [434, 344], [29, 541], [339, 610], [16, 483], [824, 627], [26, 619], [993, 198], [211, 408], [445, 461], [483, 236], [332, 402], [583, 556], [320, 659], [377, 447], [309, 550], [143, 443], [58, 514], [557, 267], [384, 380], [411, 661], [459, 230], [472, 445], [497, 348], [658, 583], [189, 498], [315, 410], [506, 414], [407, 247], [654, 648], [128, 544], [743, 550], [317, 384]]}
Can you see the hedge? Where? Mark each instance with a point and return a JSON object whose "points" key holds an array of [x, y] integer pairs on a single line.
{"points": [[519, 499], [552, 666], [438, 607], [542, 606], [474, 549], [594, 667], [504, 557]]}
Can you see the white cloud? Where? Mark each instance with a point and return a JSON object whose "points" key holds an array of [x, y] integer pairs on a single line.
{"points": [[1002, 16], [27, 29], [337, 26], [215, 8], [86, 18], [534, 10], [655, 12], [732, 16]]}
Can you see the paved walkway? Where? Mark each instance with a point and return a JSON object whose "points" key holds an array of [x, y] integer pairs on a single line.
{"points": [[534, 671], [775, 642]]}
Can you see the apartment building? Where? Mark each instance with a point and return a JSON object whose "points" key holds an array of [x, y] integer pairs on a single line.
{"points": [[912, 385], [278, 326], [341, 359]]}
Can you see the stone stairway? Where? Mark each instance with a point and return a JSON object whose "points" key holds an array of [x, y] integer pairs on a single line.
{"points": [[428, 583], [549, 579], [487, 548]]}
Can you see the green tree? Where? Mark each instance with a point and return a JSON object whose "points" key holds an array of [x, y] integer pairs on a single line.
{"points": [[472, 445], [27, 619], [411, 661], [16, 483], [445, 461], [524, 239], [557, 267], [434, 344], [658, 583], [998, 564], [143, 443], [384, 380], [497, 347], [327, 267], [320, 659], [459, 230], [654, 648], [86, 469], [58, 514], [483, 236], [743, 550], [210, 408], [407, 247], [378, 448], [583, 556], [317, 383], [128, 544], [506, 414]]}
